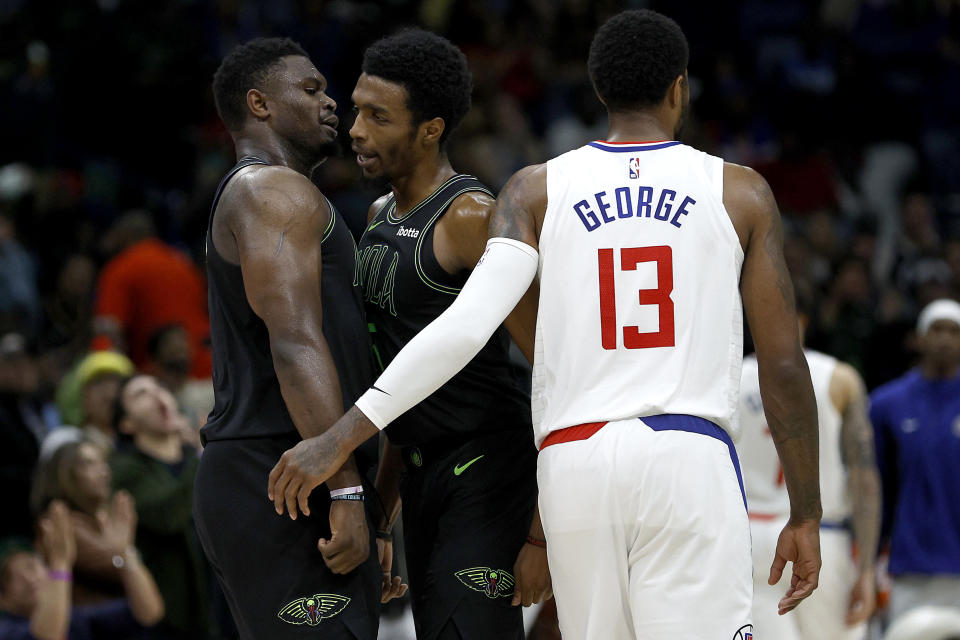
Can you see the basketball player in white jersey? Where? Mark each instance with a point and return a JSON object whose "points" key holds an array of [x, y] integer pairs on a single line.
{"points": [[850, 493], [643, 247]]}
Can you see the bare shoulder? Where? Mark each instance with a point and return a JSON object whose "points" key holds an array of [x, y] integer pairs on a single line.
{"points": [[278, 195], [471, 208], [748, 200], [378, 204], [846, 385], [528, 183], [746, 192]]}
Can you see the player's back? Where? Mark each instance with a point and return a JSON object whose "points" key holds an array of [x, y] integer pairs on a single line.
{"points": [[640, 310]]}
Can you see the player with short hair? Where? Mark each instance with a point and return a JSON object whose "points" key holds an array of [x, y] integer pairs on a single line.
{"points": [[644, 247], [290, 351], [850, 490], [469, 485]]}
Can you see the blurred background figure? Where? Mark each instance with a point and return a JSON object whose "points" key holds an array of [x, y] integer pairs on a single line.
{"points": [[75, 472], [87, 396], [170, 363], [22, 429], [850, 496], [917, 420], [147, 285], [158, 468], [35, 597]]}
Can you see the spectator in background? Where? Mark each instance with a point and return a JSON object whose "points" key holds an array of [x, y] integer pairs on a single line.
{"points": [[22, 429], [170, 363], [19, 298], [159, 470], [87, 396], [35, 598], [147, 285], [917, 423], [76, 472]]}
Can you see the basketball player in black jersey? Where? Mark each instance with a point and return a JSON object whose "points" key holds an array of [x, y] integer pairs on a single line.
{"points": [[290, 350], [469, 469]]}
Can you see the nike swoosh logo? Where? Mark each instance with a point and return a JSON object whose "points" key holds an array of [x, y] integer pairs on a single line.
{"points": [[457, 470], [375, 225], [381, 391]]}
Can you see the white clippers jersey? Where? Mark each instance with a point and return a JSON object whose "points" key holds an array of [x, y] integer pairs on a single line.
{"points": [[762, 475], [640, 309]]}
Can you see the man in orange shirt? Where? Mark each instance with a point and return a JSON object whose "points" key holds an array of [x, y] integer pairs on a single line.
{"points": [[147, 285]]}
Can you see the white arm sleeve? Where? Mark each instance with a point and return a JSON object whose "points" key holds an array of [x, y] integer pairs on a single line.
{"points": [[445, 346]]}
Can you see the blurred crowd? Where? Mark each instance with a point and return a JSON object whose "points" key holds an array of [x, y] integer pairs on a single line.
{"points": [[849, 108]]}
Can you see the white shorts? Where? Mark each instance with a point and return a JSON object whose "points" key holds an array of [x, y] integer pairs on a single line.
{"points": [[823, 613], [647, 533]]}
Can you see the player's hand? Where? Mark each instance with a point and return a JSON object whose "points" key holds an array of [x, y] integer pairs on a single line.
{"points": [[392, 586], [799, 543], [863, 599], [300, 470], [532, 575], [349, 543]]}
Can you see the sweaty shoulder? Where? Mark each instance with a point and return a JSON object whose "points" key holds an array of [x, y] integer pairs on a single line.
{"points": [[747, 198], [262, 199], [275, 193]]}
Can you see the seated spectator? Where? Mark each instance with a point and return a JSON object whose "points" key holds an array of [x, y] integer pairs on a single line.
{"points": [[22, 429], [87, 395], [145, 286], [35, 589], [158, 468], [77, 474], [170, 362]]}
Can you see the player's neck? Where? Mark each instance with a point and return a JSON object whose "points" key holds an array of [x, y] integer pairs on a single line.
{"points": [[637, 126], [274, 153], [424, 178]]}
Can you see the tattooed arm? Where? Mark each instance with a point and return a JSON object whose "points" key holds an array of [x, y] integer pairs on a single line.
{"points": [[863, 483], [785, 386]]}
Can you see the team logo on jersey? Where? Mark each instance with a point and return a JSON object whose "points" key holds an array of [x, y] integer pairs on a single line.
{"points": [[312, 609], [493, 583], [634, 168], [744, 633], [407, 233]]}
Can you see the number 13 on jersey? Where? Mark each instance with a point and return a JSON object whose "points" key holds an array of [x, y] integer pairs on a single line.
{"points": [[633, 338]]}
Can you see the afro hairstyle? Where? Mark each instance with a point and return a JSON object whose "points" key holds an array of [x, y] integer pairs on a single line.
{"points": [[246, 67], [433, 71], [635, 57]]}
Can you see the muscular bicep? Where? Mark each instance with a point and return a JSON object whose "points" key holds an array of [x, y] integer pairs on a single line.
{"points": [[521, 206], [279, 251], [765, 284]]}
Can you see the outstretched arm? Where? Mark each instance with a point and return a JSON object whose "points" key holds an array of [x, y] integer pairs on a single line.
{"points": [[785, 386], [500, 279]]}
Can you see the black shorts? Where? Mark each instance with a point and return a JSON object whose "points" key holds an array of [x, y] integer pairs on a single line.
{"points": [[273, 576], [466, 514]]}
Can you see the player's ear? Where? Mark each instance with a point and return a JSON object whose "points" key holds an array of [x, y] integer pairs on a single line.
{"points": [[257, 104], [677, 91], [431, 130]]}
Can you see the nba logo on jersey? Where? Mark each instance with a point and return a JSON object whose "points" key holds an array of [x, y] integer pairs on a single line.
{"points": [[744, 633], [634, 168]]}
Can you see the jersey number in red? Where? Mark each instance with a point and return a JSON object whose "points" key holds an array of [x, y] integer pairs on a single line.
{"points": [[629, 259]]}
